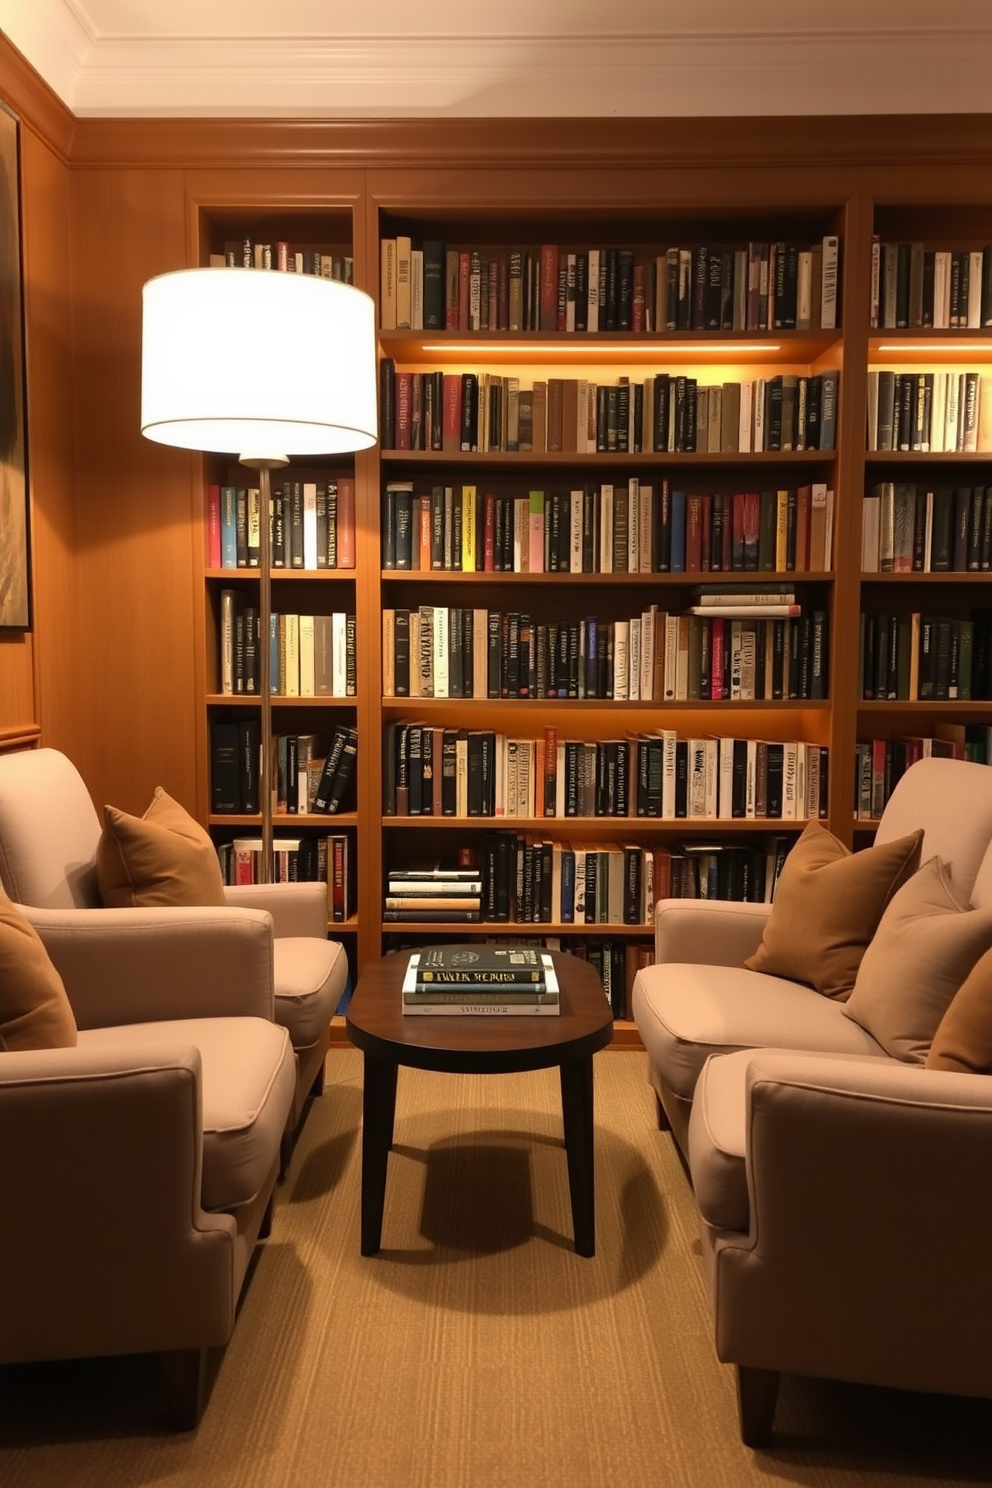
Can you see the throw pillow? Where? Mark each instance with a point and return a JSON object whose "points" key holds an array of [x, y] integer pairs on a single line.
{"points": [[926, 943], [161, 858], [963, 1040], [827, 905], [34, 1010]]}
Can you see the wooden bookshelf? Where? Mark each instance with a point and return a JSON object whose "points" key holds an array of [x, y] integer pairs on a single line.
{"points": [[586, 182]]}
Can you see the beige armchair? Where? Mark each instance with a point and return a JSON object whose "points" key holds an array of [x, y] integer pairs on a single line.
{"points": [[49, 836], [137, 1167], [841, 1182]]}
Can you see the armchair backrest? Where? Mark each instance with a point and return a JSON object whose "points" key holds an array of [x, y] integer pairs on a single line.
{"points": [[49, 831], [952, 801]]}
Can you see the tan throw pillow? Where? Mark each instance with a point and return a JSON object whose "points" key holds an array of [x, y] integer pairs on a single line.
{"points": [[963, 1040], [34, 1010], [926, 943], [161, 858], [827, 906]]}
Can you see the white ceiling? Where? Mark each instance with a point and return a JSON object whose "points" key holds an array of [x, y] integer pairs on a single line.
{"points": [[528, 58]]}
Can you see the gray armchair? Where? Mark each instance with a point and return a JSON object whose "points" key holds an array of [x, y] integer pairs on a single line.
{"points": [[49, 836]]}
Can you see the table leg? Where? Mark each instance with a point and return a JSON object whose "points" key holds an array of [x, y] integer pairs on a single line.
{"points": [[576, 1107], [378, 1111]]}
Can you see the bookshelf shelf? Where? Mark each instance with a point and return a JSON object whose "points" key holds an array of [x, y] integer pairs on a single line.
{"points": [[601, 826], [516, 464], [605, 348]]}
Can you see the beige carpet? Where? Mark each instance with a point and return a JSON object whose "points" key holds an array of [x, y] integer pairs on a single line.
{"points": [[477, 1350]]}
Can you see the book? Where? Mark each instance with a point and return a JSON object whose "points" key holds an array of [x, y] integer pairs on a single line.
{"points": [[519, 1006], [483, 966], [338, 771]]}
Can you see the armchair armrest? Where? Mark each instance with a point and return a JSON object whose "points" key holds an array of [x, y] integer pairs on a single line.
{"points": [[140, 965], [866, 1256], [708, 932], [297, 909], [111, 1136]]}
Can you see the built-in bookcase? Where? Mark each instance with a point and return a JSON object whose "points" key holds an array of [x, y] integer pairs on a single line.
{"points": [[541, 510], [925, 678], [659, 500], [314, 647]]}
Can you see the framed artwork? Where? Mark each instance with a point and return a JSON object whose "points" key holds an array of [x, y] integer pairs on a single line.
{"points": [[15, 568]]}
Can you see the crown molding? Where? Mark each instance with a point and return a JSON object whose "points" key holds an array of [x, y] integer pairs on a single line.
{"points": [[721, 73], [900, 144]]}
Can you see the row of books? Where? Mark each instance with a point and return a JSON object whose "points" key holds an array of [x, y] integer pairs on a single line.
{"points": [[310, 859], [932, 412], [911, 528], [309, 655], [913, 285], [929, 658], [312, 775], [311, 525], [303, 776], [431, 894], [733, 652], [486, 980], [524, 880], [551, 287], [429, 770], [628, 526], [881, 762], [667, 412], [248, 253]]}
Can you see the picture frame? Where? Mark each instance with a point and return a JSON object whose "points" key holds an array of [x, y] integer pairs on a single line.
{"points": [[15, 562]]}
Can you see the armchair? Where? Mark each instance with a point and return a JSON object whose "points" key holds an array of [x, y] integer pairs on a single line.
{"points": [[49, 837], [138, 1166], [840, 1182]]}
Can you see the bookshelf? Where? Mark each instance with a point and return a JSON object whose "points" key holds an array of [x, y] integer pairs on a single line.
{"points": [[313, 644], [644, 208], [521, 353], [924, 683]]}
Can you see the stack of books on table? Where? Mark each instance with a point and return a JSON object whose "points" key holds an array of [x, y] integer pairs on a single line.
{"points": [[502, 980], [435, 895]]}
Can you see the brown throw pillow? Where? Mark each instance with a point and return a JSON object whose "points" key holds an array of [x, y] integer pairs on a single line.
{"points": [[926, 943], [827, 906], [161, 858], [34, 1010], [963, 1040]]}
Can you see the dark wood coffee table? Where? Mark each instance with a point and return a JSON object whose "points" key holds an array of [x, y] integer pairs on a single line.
{"points": [[477, 1045]]}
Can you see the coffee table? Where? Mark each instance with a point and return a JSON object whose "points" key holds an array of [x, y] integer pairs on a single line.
{"points": [[470, 1044]]}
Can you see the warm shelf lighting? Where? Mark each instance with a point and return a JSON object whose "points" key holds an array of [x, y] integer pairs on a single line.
{"points": [[960, 349], [593, 351], [268, 364]]}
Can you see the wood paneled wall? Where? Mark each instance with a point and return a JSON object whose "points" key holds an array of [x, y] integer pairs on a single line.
{"points": [[35, 669]]}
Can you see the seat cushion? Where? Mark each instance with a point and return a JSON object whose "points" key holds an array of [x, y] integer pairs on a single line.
{"points": [[827, 905], [249, 1078], [161, 858], [685, 1013], [35, 1012], [310, 977]]}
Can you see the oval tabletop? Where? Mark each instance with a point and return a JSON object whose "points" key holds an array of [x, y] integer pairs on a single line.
{"points": [[468, 1043]]}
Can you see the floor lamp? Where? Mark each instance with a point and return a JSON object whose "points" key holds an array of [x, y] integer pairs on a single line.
{"points": [[268, 364]]}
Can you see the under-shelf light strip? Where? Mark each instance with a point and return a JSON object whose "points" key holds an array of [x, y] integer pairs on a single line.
{"points": [[590, 351]]}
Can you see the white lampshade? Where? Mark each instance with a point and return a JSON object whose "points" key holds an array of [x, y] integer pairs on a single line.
{"points": [[259, 363]]}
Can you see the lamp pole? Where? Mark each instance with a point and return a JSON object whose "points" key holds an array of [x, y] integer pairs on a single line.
{"points": [[265, 465]]}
